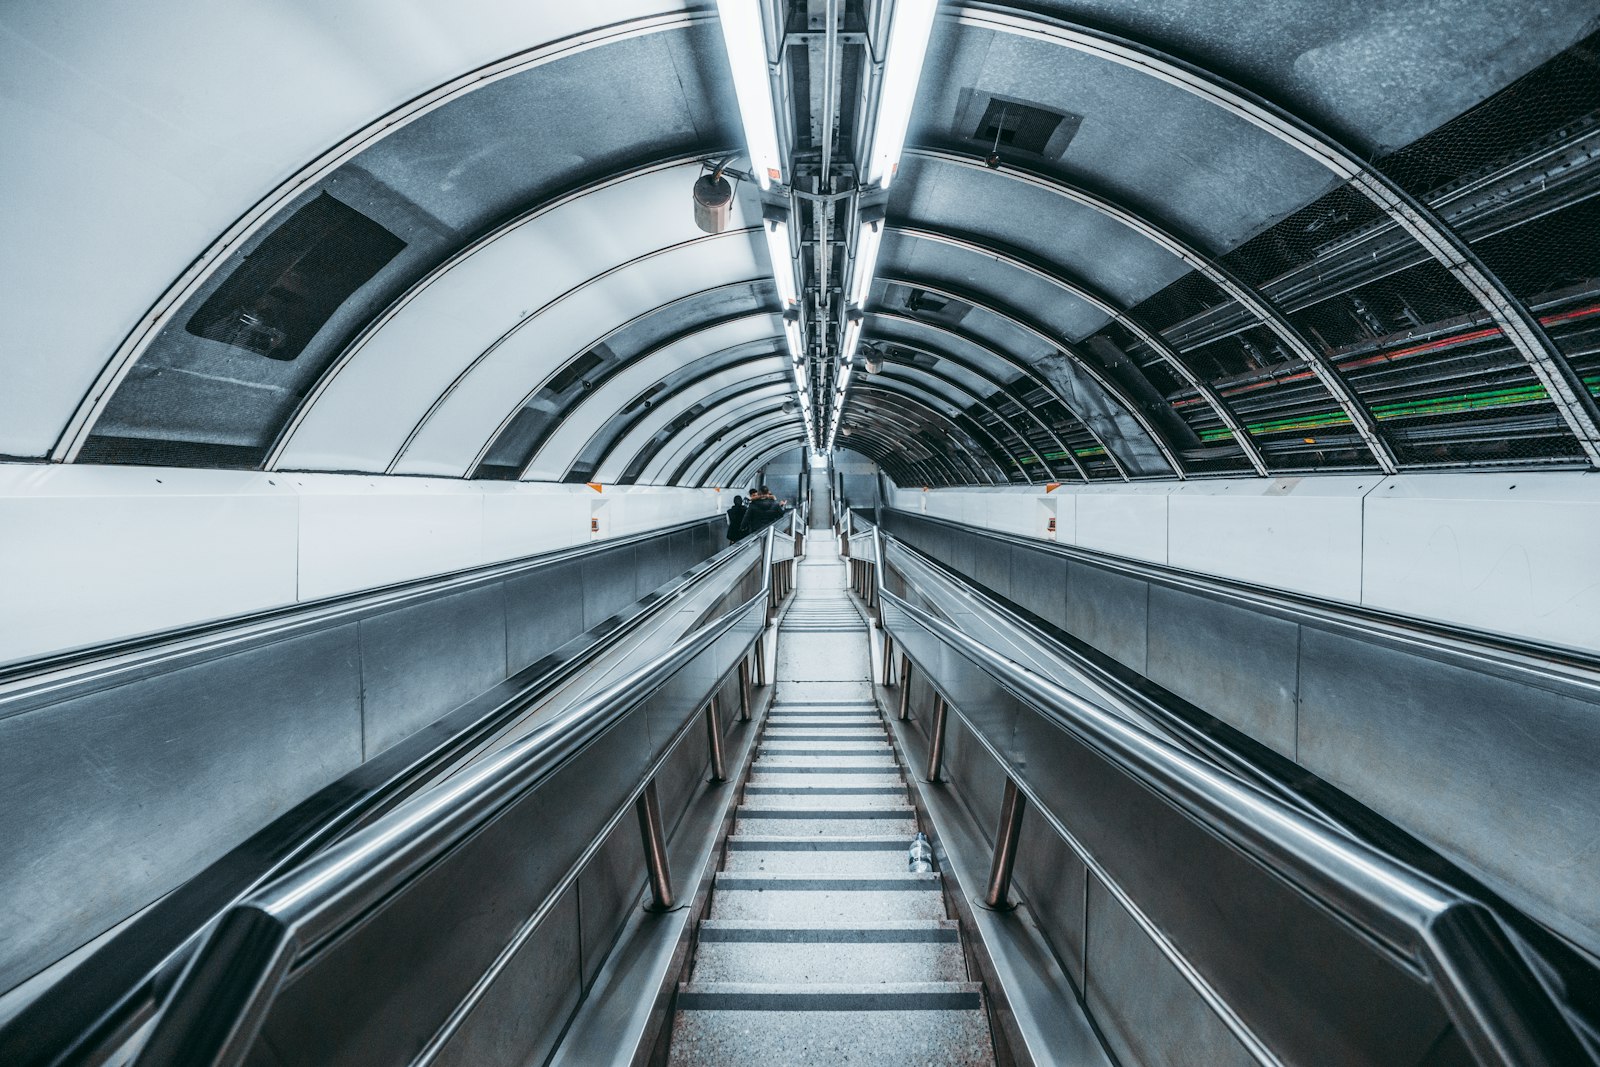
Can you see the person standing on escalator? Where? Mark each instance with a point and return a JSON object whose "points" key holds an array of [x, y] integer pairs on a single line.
{"points": [[736, 519], [764, 510]]}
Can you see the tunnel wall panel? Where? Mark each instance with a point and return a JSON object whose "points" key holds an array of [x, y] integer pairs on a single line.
{"points": [[1501, 552], [96, 554]]}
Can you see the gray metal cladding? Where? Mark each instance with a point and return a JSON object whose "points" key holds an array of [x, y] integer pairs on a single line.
{"points": [[390, 983], [111, 799], [526, 1007], [1500, 776], [1481, 759], [1227, 657], [544, 609], [1381, 73], [1054, 880], [1110, 612], [423, 659], [1304, 984], [1149, 143], [1148, 1013]]}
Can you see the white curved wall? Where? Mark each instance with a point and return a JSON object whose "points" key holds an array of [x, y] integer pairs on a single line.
{"points": [[1508, 553], [136, 133], [95, 554]]}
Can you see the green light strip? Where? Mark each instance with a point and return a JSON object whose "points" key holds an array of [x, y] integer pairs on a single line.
{"points": [[1441, 405]]}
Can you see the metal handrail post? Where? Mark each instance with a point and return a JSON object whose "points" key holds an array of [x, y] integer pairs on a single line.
{"points": [[888, 659], [719, 770], [905, 688], [655, 849], [941, 711], [744, 689], [1006, 835]]}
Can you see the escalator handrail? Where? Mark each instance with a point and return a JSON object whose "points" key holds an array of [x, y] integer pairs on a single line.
{"points": [[69, 1022], [229, 985], [1504, 1012]]}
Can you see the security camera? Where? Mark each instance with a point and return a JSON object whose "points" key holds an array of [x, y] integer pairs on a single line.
{"points": [[992, 161]]}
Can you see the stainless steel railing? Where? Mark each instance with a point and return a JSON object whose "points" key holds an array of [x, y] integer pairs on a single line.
{"points": [[309, 916], [1496, 1000]]}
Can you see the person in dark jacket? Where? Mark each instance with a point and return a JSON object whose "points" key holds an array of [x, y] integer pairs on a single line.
{"points": [[736, 516], [763, 511]]}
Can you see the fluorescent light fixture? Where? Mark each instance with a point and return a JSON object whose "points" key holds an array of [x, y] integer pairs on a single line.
{"points": [[797, 341], [778, 248], [865, 262], [902, 69], [852, 337], [745, 39]]}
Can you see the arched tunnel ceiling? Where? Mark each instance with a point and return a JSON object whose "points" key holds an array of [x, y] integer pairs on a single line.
{"points": [[1222, 238]]}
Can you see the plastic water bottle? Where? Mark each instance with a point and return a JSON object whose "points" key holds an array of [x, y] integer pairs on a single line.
{"points": [[919, 860]]}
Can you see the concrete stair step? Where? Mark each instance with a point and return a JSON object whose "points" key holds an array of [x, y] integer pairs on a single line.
{"points": [[796, 721], [830, 898], [830, 996], [823, 748], [814, 803], [831, 1038], [829, 962], [789, 763], [818, 824], [840, 785], [825, 734], [885, 932], [815, 855]]}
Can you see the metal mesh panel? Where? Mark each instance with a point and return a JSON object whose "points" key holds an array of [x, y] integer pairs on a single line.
{"points": [[1517, 176]]}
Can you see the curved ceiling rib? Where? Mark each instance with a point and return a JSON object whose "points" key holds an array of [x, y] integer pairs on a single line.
{"points": [[755, 435], [702, 382], [1286, 332], [416, 289], [1084, 291], [902, 469], [881, 384], [921, 326], [889, 372], [620, 460], [181, 292], [673, 251], [629, 379], [745, 410], [903, 411], [680, 449], [738, 475], [699, 469], [768, 436], [977, 370], [730, 410], [1521, 327], [772, 443]]}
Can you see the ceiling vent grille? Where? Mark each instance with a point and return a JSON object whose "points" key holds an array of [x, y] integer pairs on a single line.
{"points": [[1017, 127]]}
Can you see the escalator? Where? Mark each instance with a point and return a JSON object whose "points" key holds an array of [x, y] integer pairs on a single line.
{"points": [[690, 846]]}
